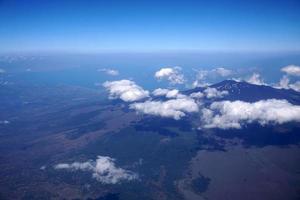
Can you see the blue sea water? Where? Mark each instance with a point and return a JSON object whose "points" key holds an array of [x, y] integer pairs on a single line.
{"points": [[81, 69]]}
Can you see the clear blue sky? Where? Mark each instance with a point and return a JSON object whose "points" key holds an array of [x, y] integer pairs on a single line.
{"points": [[92, 26]]}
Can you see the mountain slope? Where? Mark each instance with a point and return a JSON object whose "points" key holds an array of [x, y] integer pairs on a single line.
{"points": [[250, 93]]}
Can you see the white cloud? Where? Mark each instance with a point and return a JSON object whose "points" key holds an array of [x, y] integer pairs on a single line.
{"points": [[103, 170], [160, 92], [222, 72], [2, 71], [173, 75], [285, 84], [227, 114], [175, 108], [197, 95], [293, 70], [126, 90], [214, 93], [111, 72], [203, 75], [295, 86], [168, 93], [256, 79], [237, 79], [199, 83]]}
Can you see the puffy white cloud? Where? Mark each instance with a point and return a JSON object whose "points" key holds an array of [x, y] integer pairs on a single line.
{"points": [[126, 90], [173, 75], [197, 95], [214, 93], [168, 93], [256, 79], [285, 83], [222, 72], [293, 70], [103, 170], [111, 72], [160, 92], [175, 108], [227, 114]]}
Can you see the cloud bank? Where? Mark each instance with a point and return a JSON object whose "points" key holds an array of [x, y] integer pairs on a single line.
{"points": [[126, 90], [103, 170], [174, 108], [173, 75], [227, 114]]}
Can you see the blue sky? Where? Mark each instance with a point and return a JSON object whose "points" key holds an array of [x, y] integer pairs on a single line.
{"points": [[97, 26]]}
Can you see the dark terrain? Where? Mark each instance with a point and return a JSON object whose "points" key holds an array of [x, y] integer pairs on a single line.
{"points": [[175, 160]]}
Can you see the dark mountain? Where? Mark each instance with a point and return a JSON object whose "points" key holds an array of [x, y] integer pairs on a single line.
{"points": [[250, 93], [253, 134]]}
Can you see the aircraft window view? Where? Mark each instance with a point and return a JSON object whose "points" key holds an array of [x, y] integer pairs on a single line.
{"points": [[149, 100]]}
